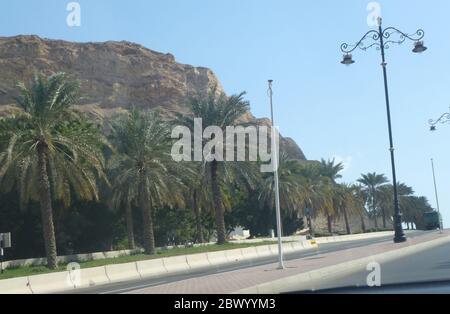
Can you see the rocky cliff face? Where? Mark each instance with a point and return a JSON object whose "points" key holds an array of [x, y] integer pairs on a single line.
{"points": [[113, 75]]}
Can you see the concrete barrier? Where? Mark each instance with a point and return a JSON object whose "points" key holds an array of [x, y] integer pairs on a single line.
{"points": [[287, 248], [263, 251], [69, 258], [198, 261], [234, 256], [15, 286], [50, 283], [298, 246], [249, 253], [116, 254], [217, 258], [122, 272], [176, 264], [90, 277], [274, 249], [352, 237], [322, 240], [151, 268]]}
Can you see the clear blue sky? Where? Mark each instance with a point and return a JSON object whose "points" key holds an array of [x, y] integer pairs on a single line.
{"points": [[329, 109]]}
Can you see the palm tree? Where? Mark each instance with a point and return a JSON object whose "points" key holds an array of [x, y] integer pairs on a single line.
{"points": [[197, 211], [405, 193], [317, 190], [197, 196], [342, 200], [418, 206], [348, 201], [372, 183], [406, 202], [291, 186], [124, 195], [49, 151], [221, 111], [144, 165], [361, 201], [331, 171]]}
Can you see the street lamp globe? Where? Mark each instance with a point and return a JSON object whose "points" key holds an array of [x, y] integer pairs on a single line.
{"points": [[347, 59], [419, 47]]}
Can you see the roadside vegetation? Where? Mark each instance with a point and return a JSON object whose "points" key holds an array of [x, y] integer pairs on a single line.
{"points": [[68, 187]]}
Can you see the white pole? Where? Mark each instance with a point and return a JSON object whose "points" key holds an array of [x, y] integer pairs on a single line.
{"points": [[275, 175], [437, 197]]}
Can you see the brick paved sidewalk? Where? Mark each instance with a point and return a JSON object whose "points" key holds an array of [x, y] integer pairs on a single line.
{"points": [[231, 281]]}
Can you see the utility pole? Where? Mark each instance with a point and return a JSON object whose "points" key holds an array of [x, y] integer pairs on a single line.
{"points": [[441, 227], [275, 175]]}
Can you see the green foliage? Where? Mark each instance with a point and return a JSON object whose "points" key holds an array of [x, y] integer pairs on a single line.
{"points": [[75, 156], [174, 226]]}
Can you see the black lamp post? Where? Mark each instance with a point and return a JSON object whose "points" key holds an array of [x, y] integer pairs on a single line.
{"points": [[444, 118], [381, 39]]}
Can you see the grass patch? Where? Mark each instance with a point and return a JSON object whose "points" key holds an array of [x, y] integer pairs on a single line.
{"points": [[37, 270]]}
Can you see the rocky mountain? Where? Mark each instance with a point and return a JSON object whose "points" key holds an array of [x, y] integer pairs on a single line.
{"points": [[113, 76]]}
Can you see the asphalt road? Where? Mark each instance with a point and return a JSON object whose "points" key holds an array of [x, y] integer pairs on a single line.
{"points": [[427, 271], [129, 286]]}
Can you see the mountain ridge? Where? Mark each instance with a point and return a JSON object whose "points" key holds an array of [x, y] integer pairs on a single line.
{"points": [[114, 75]]}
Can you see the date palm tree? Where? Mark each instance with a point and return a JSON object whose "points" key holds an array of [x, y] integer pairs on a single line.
{"points": [[198, 198], [405, 199], [347, 201], [197, 208], [144, 165], [361, 201], [50, 152], [372, 183], [292, 187], [301, 186], [330, 170], [417, 207], [123, 194], [220, 110]]}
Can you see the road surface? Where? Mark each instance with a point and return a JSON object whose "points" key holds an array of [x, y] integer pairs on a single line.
{"points": [[427, 271]]}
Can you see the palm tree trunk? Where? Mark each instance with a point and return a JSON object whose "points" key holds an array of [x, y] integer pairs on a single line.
{"points": [[329, 222], [198, 219], [217, 197], [130, 227], [46, 209], [347, 225], [374, 211], [383, 215], [376, 221], [147, 220], [363, 224]]}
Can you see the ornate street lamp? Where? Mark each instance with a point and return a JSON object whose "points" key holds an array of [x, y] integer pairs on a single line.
{"points": [[382, 39], [444, 118]]}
